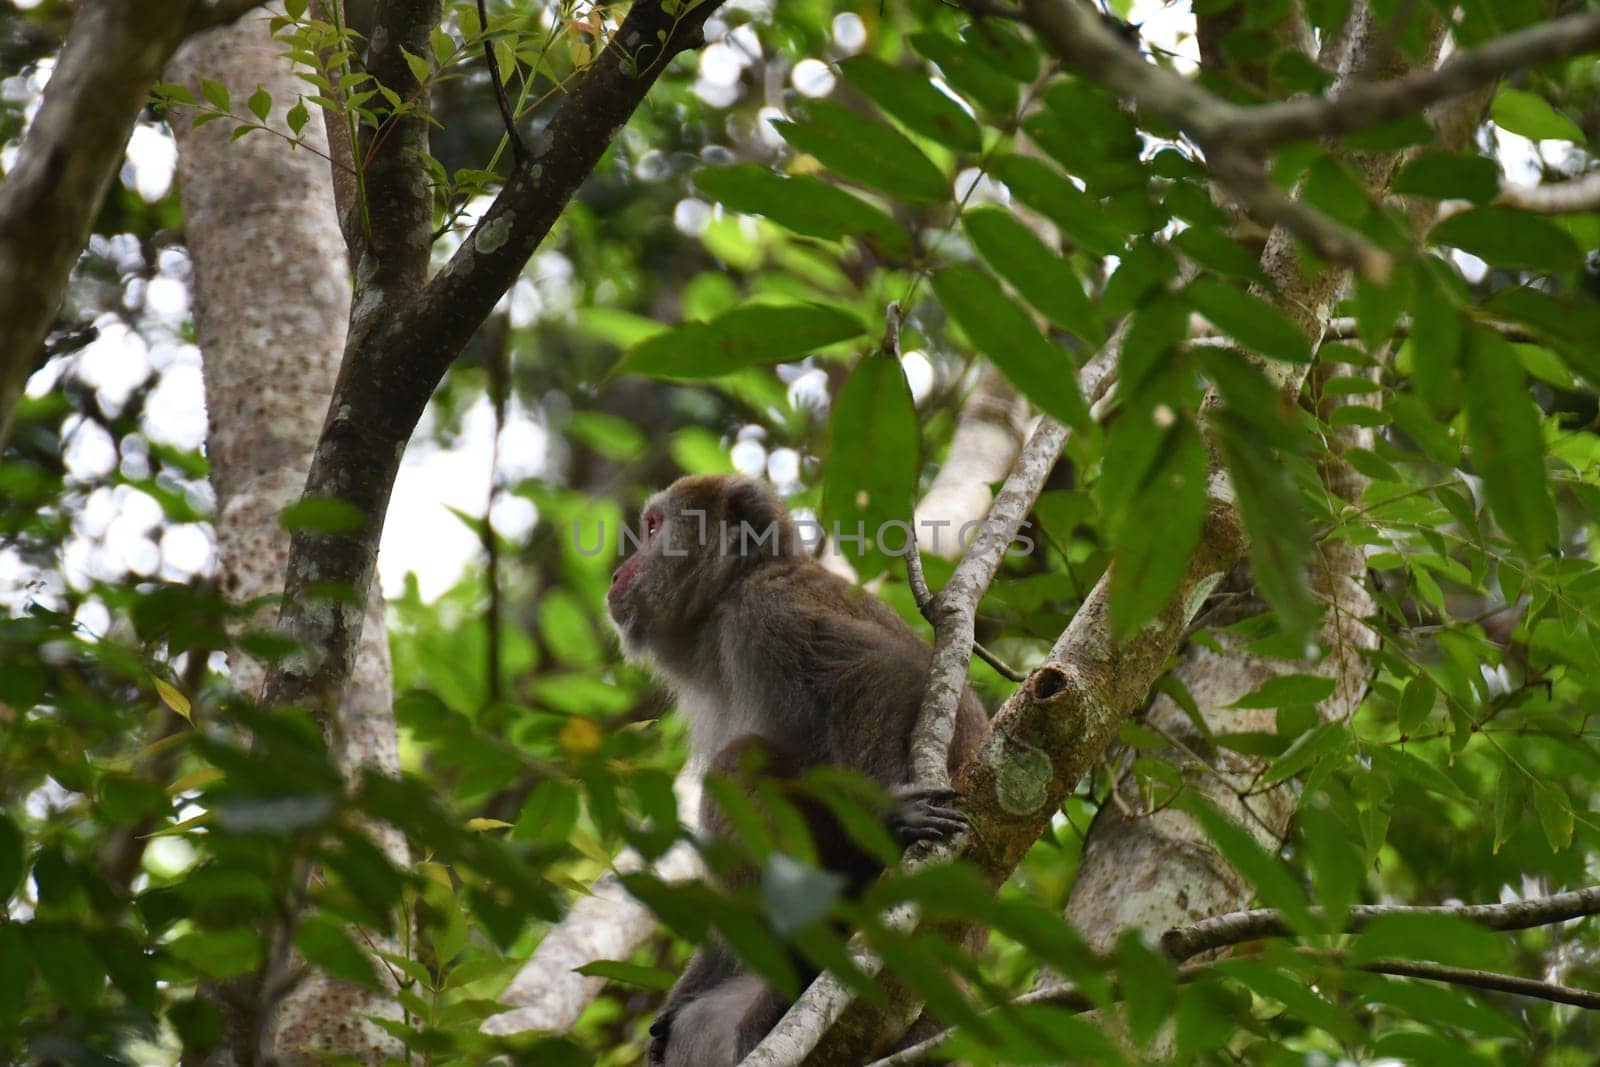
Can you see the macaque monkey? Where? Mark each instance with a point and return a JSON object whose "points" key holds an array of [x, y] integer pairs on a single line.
{"points": [[772, 654]]}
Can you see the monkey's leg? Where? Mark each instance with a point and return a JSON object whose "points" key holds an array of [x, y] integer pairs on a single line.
{"points": [[711, 965]]}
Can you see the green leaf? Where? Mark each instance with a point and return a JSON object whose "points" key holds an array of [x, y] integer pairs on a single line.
{"points": [[1249, 319], [420, 68], [1310, 749], [297, 117], [565, 629], [965, 69], [1533, 117], [1141, 968], [874, 452], [1305, 689], [1043, 277], [1507, 446], [1154, 534], [910, 97], [66, 962], [867, 152], [1502, 237], [629, 974], [1449, 175], [1440, 938], [804, 204], [325, 942], [1416, 703], [1274, 518], [1555, 814], [216, 94], [1007, 335], [1272, 880], [323, 515], [610, 435], [1079, 216], [260, 103], [754, 333]]}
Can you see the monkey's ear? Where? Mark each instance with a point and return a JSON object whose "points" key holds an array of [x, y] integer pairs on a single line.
{"points": [[751, 504]]}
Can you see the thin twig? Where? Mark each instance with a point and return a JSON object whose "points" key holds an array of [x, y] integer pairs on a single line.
{"points": [[518, 149]]}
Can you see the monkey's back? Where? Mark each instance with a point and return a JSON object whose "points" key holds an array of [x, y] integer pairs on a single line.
{"points": [[830, 672]]}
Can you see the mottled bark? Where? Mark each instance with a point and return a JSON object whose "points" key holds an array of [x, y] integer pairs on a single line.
{"points": [[271, 311]]}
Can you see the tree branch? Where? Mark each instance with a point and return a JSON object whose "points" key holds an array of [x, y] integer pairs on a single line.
{"points": [[1230, 134], [1572, 197], [404, 342], [72, 151], [1185, 942]]}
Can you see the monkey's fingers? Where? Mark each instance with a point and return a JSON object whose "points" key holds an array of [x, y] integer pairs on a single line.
{"points": [[913, 793]]}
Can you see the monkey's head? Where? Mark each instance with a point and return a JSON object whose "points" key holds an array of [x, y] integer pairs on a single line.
{"points": [[697, 539]]}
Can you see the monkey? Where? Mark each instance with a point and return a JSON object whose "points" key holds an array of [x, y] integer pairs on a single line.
{"points": [[771, 654]]}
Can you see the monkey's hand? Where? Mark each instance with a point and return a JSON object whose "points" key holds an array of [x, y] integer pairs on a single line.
{"points": [[660, 1034], [922, 814]]}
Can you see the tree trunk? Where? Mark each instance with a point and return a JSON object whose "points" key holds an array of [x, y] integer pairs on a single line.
{"points": [[271, 310]]}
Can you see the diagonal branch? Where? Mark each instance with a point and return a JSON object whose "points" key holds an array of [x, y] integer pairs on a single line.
{"points": [[404, 341]]}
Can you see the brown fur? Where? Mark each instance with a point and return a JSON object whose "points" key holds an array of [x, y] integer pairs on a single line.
{"points": [[765, 647]]}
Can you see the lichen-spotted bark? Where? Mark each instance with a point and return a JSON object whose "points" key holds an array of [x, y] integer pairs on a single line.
{"points": [[271, 311]]}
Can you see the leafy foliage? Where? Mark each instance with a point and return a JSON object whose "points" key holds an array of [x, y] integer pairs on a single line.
{"points": [[1021, 216]]}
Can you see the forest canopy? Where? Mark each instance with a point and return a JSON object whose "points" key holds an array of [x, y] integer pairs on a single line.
{"points": [[1213, 385]]}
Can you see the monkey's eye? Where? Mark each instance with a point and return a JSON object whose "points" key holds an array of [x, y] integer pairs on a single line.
{"points": [[652, 523]]}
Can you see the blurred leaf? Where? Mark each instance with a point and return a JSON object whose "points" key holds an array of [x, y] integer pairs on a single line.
{"points": [[755, 333], [1287, 689], [801, 203], [1509, 239], [172, 698], [911, 98], [874, 451], [1274, 519], [11, 857], [1006, 334], [1507, 446], [323, 515], [1555, 814], [968, 70], [1080, 217], [1046, 280], [1249, 320], [1530, 115], [1154, 534], [1263, 870], [1449, 176], [629, 974], [866, 151]]}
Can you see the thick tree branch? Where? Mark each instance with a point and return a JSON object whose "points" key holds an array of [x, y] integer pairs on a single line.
{"points": [[113, 54]]}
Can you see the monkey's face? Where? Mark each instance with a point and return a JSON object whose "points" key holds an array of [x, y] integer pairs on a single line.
{"points": [[695, 540]]}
